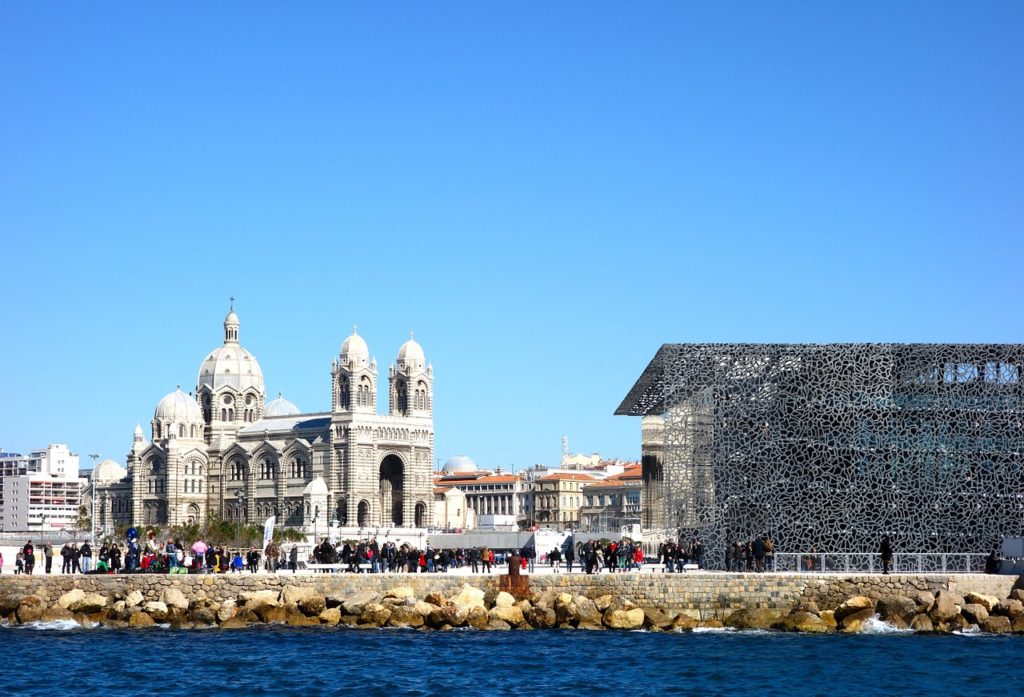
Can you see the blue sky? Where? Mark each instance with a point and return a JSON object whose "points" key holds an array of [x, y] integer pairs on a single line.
{"points": [[544, 192]]}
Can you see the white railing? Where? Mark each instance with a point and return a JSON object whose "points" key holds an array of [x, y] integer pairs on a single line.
{"points": [[902, 562]]}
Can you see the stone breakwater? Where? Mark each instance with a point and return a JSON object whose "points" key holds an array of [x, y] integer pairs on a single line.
{"points": [[810, 603]]}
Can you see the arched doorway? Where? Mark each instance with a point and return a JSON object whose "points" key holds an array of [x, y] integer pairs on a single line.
{"points": [[363, 514], [192, 514], [421, 515], [392, 474]]}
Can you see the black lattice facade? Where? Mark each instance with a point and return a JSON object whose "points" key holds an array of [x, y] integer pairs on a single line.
{"points": [[831, 446]]}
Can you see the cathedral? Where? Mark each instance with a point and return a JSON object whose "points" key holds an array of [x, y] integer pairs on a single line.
{"points": [[224, 450]]}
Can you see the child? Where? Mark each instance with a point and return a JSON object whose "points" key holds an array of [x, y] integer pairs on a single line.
{"points": [[19, 563]]}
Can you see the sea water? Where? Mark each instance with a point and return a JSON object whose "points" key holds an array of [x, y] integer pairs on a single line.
{"points": [[58, 658]]}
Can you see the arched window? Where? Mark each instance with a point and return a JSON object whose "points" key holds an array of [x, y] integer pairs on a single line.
{"points": [[193, 431], [231, 414], [223, 414], [343, 393], [156, 428]]}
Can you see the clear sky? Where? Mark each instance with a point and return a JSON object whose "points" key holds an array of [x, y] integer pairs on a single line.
{"points": [[544, 192]]}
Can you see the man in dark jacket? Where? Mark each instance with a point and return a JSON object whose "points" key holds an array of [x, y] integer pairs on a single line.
{"points": [[885, 551]]}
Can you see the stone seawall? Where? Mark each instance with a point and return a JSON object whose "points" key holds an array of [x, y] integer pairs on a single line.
{"points": [[699, 595]]}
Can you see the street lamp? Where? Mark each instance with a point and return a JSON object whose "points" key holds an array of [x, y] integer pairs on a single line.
{"points": [[240, 501], [316, 517], [92, 497]]}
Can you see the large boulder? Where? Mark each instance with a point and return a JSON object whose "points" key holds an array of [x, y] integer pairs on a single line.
{"points": [[922, 623], [802, 621], [424, 608], [330, 616], [624, 619], [90, 604], [236, 622], [227, 610], [986, 601], [436, 598], [541, 617], [892, 607], [174, 598], [477, 617], [400, 592], [295, 618], [468, 597], [70, 598], [975, 613], [497, 626], [140, 619], [256, 598], [375, 615], [1009, 608], [997, 624], [854, 605], [753, 618], [945, 607], [54, 614], [924, 600], [355, 603], [405, 616], [565, 609], [854, 622], [156, 609], [586, 610], [293, 596], [683, 623], [655, 618], [134, 599], [503, 599], [510, 614], [603, 602], [203, 611]]}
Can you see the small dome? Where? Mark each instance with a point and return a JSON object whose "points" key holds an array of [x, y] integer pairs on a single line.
{"points": [[108, 471], [354, 351], [280, 406], [317, 487], [459, 464], [410, 355], [178, 408]]}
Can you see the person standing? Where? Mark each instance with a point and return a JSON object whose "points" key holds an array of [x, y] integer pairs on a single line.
{"points": [[885, 551], [570, 557], [86, 558], [76, 556], [48, 556], [65, 556]]}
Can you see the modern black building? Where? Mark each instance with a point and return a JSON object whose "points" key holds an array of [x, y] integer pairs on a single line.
{"points": [[830, 446]]}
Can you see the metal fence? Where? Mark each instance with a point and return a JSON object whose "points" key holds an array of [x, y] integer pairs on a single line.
{"points": [[902, 563]]}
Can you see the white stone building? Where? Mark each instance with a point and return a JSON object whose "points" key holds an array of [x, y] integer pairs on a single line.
{"points": [[226, 451], [40, 492]]}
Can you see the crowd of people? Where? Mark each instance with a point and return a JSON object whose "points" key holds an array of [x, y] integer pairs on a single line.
{"points": [[757, 555]]}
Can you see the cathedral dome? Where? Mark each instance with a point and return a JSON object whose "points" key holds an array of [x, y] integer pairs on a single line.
{"points": [[354, 351], [230, 365], [410, 355], [317, 487], [279, 406], [108, 471], [179, 408], [459, 464]]}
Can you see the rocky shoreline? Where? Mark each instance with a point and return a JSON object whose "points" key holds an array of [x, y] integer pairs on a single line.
{"points": [[491, 610]]}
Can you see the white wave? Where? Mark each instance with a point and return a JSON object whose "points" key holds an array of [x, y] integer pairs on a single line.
{"points": [[874, 625], [712, 630], [59, 625], [969, 630]]}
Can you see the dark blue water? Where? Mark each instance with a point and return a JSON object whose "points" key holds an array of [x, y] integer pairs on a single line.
{"points": [[312, 661]]}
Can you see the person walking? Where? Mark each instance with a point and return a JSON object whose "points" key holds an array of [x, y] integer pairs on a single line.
{"points": [[885, 551]]}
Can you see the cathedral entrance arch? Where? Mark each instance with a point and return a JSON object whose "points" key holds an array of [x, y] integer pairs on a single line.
{"points": [[421, 515], [392, 475], [363, 514], [192, 515]]}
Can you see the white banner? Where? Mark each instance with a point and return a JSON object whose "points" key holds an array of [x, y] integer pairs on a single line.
{"points": [[268, 530]]}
